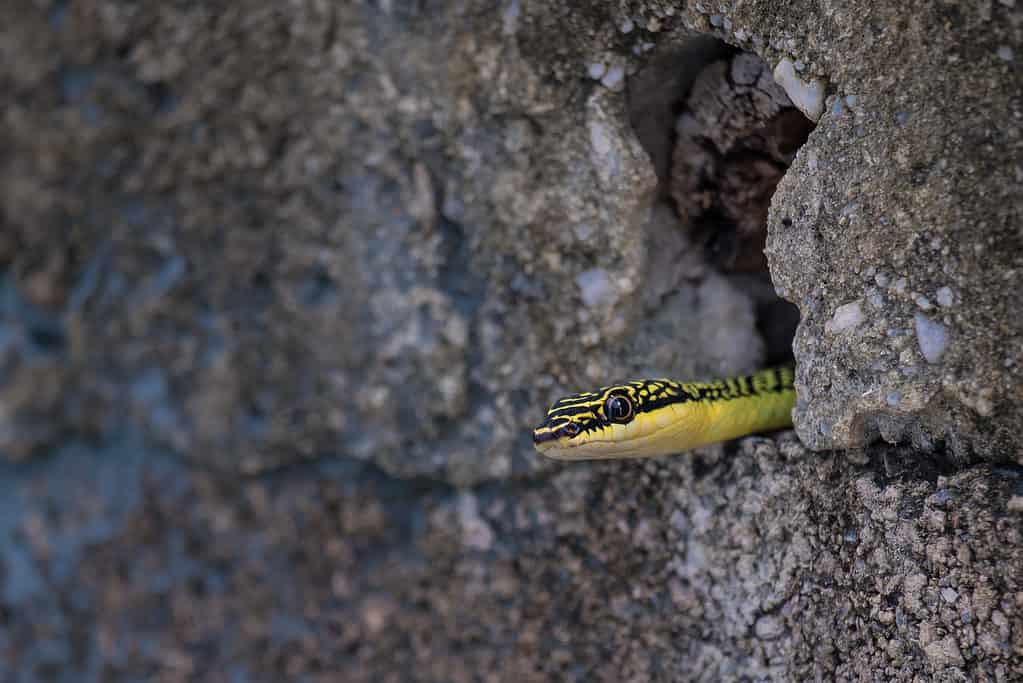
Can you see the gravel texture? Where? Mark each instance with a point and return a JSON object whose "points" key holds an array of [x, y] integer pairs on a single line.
{"points": [[762, 561]]}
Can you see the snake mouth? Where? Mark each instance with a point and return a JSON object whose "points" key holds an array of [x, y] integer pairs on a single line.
{"points": [[542, 436], [546, 434]]}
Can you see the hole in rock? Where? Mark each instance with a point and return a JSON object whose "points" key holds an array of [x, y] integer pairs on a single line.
{"points": [[721, 134]]}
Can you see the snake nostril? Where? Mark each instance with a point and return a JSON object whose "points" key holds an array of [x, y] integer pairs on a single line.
{"points": [[542, 435]]}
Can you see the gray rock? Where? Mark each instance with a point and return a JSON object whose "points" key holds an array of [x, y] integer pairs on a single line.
{"points": [[757, 561], [933, 216], [346, 238]]}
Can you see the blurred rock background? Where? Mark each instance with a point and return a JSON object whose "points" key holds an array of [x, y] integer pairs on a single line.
{"points": [[283, 287]]}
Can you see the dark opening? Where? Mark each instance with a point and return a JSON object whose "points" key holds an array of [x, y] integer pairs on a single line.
{"points": [[721, 134]]}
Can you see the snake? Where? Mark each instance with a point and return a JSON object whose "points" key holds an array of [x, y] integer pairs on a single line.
{"points": [[650, 417]]}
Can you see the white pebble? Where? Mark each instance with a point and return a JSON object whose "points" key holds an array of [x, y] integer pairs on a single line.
{"points": [[1005, 53], [596, 70], [923, 302], [627, 25], [900, 285], [807, 96], [716, 20], [846, 317], [614, 79], [584, 231], [594, 287], [945, 297], [881, 279], [949, 595], [932, 337]]}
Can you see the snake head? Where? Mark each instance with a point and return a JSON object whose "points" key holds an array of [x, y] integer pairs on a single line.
{"points": [[576, 422]]}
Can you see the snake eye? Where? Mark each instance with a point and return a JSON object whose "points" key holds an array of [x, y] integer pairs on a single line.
{"points": [[618, 408], [570, 429]]}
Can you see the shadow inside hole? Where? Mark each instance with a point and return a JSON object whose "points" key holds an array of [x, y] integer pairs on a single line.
{"points": [[721, 134]]}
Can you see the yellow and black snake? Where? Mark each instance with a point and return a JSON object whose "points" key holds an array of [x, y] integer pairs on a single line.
{"points": [[660, 416]]}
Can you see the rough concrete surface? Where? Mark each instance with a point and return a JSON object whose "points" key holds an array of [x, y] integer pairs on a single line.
{"points": [[283, 287]]}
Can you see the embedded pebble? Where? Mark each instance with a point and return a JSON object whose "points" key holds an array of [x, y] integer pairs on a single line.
{"points": [[949, 595], [900, 285], [923, 302], [944, 652], [893, 399], [807, 96], [614, 79], [594, 286], [746, 69], [881, 279], [510, 18], [768, 627], [627, 25], [716, 20], [932, 336], [944, 297], [1005, 53], [596, 70], [846, 317]]}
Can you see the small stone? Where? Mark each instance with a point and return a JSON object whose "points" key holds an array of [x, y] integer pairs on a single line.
{"points": [[807, 96], [477, 533], [1005, 53], [881, 279], [584, 231], [944, 297], [893, 399], [900, 285], [949, 595], [614, 79], [596, 70], [847, 316], [716, 20], [944, 652], [627, 25], [932, 336], [923, 302], [768, 627], [594, 287]]}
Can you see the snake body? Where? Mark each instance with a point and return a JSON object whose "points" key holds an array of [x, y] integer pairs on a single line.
{"points": [[660, 416]]}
